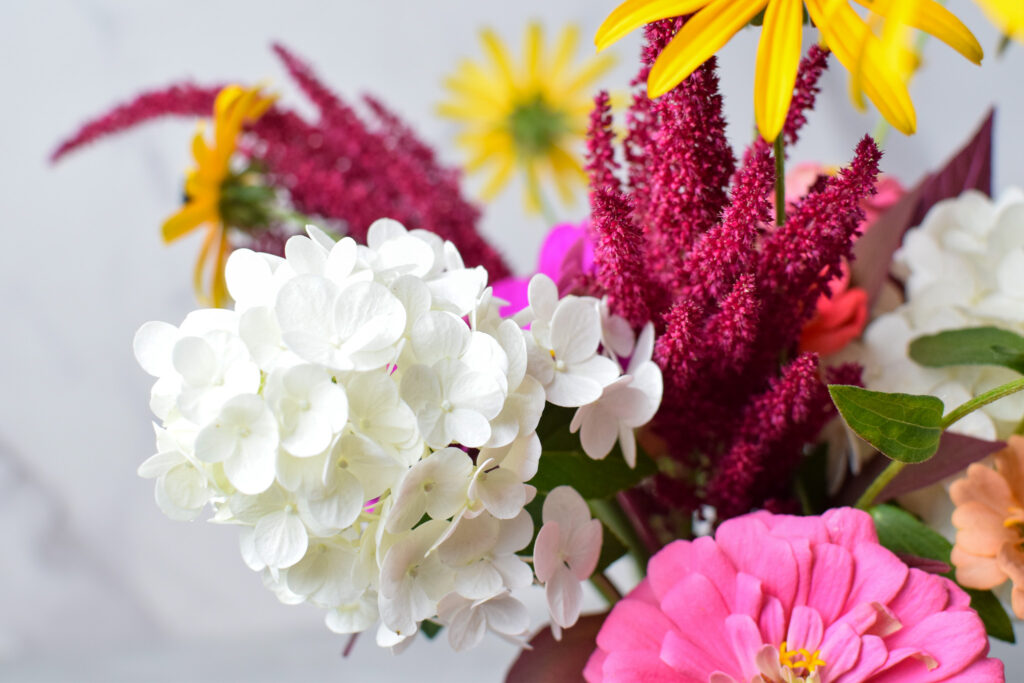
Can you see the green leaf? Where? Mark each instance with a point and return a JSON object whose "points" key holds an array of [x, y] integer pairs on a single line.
{"points": [[591, 478], [430, 628], [971, 346], [904, 534], [905, 427]]}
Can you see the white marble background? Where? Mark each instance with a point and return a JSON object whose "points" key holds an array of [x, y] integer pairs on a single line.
{"points": [[95, 584]]}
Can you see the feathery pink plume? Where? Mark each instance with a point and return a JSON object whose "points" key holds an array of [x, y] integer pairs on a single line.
{"points": [[601, 164], [619, 257], [762, 459], [181, 99]]}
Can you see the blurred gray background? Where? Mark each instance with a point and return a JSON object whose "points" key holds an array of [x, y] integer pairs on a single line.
{"points": [[95, 584]]}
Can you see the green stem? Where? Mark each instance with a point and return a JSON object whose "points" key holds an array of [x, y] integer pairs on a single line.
{"points": [[879, 484], [780, 179], [951, 418], [965, 409], [611, 514], [605, 587]]}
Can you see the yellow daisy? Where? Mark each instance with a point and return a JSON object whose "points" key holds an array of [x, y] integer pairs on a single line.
{"points": [[210, 185], [714, 22], [531, 115]]}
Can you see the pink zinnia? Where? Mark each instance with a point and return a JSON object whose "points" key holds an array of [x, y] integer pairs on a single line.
{"points": [[781, 599]]}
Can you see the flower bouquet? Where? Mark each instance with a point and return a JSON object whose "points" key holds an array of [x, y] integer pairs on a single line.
{"points": [[754, 387]]}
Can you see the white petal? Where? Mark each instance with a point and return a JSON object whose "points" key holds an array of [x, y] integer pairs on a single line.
{"points": [[584, 548], [506, 615], [305, 255], [571, 390], [195, 360], [542, 293], [153, 345], [567, 507], [281, 539], [339, 507], [547, 551], [305, 304], [341, 260], [353, 618], [598, 431], [382, 230], [155, 465], [467, 427], [575, 330], [438, 334], [565, 597]]}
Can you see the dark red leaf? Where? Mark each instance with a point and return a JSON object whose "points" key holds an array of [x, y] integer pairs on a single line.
{"points": [[552, 661], [955, 453]]}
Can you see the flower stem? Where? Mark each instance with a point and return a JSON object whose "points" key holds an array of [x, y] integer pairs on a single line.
{"points": [[780, 179], [878, 485], [605, 587], [610, 512], [951, 418], [969, 407]]}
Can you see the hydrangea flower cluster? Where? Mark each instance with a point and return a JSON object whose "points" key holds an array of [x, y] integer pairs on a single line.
{"points": [[963, 268], [368, 419]]}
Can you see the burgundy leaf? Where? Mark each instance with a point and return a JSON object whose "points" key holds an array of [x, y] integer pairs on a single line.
{"points": [[955, 453], [552, 661]]}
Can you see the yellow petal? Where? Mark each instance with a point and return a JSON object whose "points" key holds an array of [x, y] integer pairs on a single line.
{"points": [[702, 36], [219, 286], [499, 178], [564, 51], [932, 18], [531, 189], [532, 55], [197, 271], [1007, 15], [633, 14], [844, 32], [778, 57], [499, 58], [567, 172], [191, 216], [591, 71]]}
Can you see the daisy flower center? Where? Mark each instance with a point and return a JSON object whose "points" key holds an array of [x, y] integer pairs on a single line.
{"points": [[536, 126]]}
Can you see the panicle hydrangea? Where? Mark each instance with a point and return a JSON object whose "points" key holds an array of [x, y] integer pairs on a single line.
{"points": [[368, 419], [962, 268]]}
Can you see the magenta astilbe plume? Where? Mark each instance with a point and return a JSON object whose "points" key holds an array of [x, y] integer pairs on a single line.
{"points": [[733, 290], [339, 167]]}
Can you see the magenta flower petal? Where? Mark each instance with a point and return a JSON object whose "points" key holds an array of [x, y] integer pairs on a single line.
{"points": [[774, 598]]}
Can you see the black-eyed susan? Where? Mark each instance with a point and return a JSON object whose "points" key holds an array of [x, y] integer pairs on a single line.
{"points": [[215, 195], [529, 116], [714, 22]]}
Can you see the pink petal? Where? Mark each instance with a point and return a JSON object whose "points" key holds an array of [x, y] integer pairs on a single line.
{"points": [[749, 597], [922, 595], [849, 527], [872, 656], [954, 639], [805, 629], [879, 575], [840, 649], [746, 541], [831, 579], [746, 641], [693, 662], [624, 667], [634, 626], [545, 551], [697, 609], [772, 621]]}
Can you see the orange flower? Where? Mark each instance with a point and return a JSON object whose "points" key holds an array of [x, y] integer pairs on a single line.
{"points": [[989, 519], [838, 319]]}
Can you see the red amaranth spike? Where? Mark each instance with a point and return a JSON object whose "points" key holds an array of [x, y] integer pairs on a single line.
{"points": [[180, 99], [619, 257], [767, 448], [601, 164]]}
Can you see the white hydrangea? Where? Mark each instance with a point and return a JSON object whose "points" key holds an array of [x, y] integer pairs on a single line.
{"points": [[368, 420], [964, 267]]}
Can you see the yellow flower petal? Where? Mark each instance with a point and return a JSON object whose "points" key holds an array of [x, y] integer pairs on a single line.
{"points": [[778, 57], [633, 14], [1007, 15], [499, 178], [191, 216], [566, 48], [844, 33], [702, 36], [532, 52], [931, 17], [499, 58], [591, 72]]}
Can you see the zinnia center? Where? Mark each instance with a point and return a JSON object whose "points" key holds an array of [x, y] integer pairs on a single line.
{"points": [[800, 661]]}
